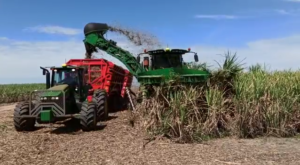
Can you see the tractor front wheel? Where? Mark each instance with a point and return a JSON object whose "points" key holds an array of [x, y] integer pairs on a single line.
{"points": [[23, 124], [88, 116]]}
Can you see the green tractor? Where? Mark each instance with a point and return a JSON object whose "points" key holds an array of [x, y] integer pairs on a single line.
{"points": [[156, 68], [67, 96]]}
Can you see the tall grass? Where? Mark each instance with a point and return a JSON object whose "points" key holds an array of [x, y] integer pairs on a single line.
{"points": [[268, 103], [10, 93], [237, 103]]}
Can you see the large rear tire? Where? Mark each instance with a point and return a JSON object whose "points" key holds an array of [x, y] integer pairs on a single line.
{"points": [[101, 100], [23, 124], [88, 116]]}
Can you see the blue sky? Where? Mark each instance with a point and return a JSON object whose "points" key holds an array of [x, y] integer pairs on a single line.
{"points": [[204, 25], [172, 22]]}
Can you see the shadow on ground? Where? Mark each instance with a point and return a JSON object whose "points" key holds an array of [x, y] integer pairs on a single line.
{"points": [[73, 126], [74, 130]]}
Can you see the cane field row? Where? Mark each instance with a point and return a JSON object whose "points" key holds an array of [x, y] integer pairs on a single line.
{"points": [[260, 104], [244, 102], [10, 93]]}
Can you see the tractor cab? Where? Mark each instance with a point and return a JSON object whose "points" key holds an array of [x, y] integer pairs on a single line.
{"points": [[71, 76], [65, 75], [164, 58]]}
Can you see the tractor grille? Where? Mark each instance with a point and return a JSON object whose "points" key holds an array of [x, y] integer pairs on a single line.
{"points": [[43, 102], [59, 102], [57, 106]]}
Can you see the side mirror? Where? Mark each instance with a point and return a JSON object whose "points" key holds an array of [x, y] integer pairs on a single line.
{"points": [[44, 72], [47, 73], [196, 57]]}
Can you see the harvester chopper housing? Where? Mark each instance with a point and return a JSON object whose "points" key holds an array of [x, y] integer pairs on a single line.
{"points": [[73, 92], [156, 68]]}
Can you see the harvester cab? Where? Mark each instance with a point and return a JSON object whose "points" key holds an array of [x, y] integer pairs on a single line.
{"points": [[164, 58]]}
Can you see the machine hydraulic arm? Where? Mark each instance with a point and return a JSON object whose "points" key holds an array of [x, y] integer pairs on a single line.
{"points": [[94, 38]]}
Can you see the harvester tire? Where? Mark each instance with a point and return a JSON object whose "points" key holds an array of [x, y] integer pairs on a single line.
{"points": [[88, 116], [23, 124], [101, 100]]}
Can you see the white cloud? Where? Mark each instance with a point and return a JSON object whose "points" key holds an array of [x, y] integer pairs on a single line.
{"points": [[292, 0], [291, 12], [55, 30], [280, 53], [20, 60], [217, 16], [283, 12]]}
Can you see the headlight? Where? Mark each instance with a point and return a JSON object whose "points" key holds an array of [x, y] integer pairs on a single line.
{"points": [[54, 98], [43, 98]]}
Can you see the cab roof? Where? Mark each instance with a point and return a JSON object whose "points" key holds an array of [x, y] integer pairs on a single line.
{"points": [[167, 51], [66, 67]]}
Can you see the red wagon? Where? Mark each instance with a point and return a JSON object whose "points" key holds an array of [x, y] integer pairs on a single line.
{"points": [[103, 74]]}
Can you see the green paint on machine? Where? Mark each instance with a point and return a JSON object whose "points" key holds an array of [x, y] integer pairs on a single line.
{"points": [[51, 94], [55, 91], [59, 87], [46, 115], [160, 75]]}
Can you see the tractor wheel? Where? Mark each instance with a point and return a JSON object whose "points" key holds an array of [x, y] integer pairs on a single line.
{"points": [[97, 92], [23, 124], [88, 116], [101, 100]]}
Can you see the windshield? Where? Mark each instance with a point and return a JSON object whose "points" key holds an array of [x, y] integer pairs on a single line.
{"points": [[65, 76], [166, 60]]}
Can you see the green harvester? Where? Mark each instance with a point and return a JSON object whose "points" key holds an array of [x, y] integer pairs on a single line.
{"points": [[157, 66]]}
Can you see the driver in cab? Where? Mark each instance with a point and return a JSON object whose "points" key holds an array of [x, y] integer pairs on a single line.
{"points": [[70, 79]]}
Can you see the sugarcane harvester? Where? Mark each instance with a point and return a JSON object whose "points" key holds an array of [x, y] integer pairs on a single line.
{"points": [[157, 67]]}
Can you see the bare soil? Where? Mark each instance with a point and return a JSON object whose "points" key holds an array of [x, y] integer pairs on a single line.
{"points": [[116, 142]]}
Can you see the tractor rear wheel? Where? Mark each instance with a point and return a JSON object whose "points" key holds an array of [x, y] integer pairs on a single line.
{"points": [[101, 100], [23, 124], [88, 116]]}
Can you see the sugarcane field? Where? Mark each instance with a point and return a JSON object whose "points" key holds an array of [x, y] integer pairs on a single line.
{"points": [[143, 92]]}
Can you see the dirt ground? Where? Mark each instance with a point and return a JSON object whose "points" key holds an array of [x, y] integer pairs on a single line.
{"points": [[116, 142]]}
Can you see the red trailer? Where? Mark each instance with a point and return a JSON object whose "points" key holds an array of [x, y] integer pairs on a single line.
{"points": [[103, 74]]}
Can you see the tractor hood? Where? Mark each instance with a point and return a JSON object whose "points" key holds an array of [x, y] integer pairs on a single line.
{"points": [[55, 91], [187, 75]]}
